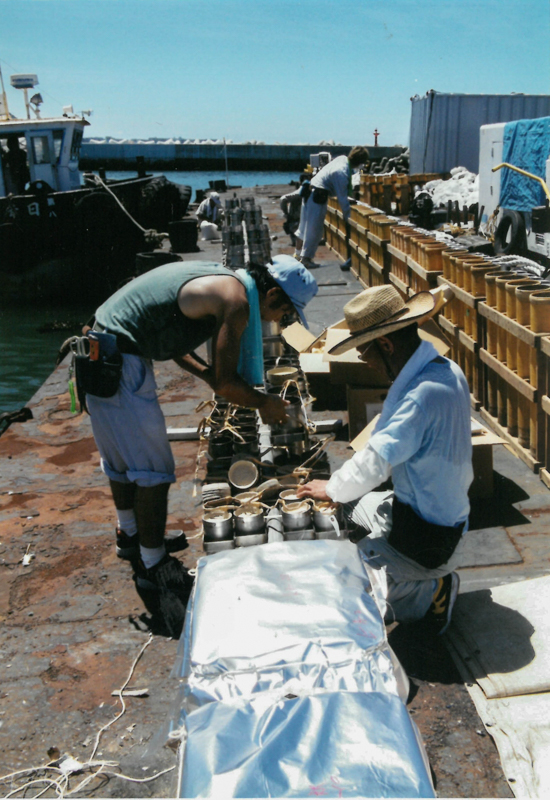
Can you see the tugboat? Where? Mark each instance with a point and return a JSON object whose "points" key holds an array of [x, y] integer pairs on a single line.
{"points": [[62, 232]]}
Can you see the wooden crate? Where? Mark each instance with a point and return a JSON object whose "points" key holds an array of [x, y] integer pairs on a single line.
{"points": [[462, 310], [363, 272], [342, 244], [331, 217], [513, 400], [465, 351], [402, 195], [353, 232], [465, 329], [329, 233], [421, 280], [390, 193], [399, 236], [360, 212], [380, 225], [378, 275], [340, 221], [363, 237], [355, 259], [545, 406], [399, 268], [378, 252]]}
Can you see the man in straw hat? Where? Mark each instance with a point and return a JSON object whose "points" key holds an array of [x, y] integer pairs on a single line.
{"points": [[422, 440]]}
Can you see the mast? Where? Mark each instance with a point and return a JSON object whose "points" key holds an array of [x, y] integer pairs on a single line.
{"points": [[4, 110], [226, 167]]}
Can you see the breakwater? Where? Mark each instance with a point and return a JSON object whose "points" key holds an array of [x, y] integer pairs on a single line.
{"points": [[204, 156]]}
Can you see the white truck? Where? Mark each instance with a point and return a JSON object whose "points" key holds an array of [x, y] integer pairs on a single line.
{"points": [[516, 231]]}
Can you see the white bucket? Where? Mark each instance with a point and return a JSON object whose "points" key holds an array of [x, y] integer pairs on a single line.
{"points": [[209, 231]]}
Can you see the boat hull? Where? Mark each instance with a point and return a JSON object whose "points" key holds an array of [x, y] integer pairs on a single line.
{"points": [[56, 244]]}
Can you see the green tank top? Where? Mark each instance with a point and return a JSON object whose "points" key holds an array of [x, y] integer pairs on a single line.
{"points": [[146, 310]]}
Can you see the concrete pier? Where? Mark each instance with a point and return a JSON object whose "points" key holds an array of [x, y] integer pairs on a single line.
{"points": [[73, 623], [169, 155]]}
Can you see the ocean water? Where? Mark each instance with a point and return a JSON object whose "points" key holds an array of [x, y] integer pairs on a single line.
{"points": [[31, 337], [200, 180]]}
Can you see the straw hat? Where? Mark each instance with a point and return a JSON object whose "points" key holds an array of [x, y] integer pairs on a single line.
{"points": [[380, 310]]}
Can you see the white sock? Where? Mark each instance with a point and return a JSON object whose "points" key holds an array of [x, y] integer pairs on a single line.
{"points": [[127, 521], [151, 555]]}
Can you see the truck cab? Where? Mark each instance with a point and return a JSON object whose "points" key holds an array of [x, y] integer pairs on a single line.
{"points": [[520, 224]]}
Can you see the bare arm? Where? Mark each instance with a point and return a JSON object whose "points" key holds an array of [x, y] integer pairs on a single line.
{"points": [[224, 298], [190, 364]]}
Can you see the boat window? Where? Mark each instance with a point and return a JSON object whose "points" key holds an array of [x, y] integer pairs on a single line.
{"points": [[41, 150], [75, 146], [14, 163], [57, 144]]}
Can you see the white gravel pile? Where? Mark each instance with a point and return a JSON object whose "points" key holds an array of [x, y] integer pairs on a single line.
{"points": [[462, 186]]}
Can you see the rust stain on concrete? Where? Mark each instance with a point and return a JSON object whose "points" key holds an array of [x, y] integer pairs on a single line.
{"points": [[75, 453]]}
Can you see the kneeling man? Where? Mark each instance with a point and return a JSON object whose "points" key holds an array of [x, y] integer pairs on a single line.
{"points": [[422, 440]]}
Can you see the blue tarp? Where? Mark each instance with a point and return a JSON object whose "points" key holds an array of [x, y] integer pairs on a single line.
{"points": [[526, 145]]}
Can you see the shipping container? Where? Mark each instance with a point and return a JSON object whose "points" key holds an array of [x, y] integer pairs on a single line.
{"points": [[445, 127]]}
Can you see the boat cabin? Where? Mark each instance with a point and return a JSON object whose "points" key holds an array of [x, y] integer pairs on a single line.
{"points": [[43, 151]]}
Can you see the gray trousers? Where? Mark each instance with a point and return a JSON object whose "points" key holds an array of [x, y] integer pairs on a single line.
{"points": [[410, 587], [311, 228]]}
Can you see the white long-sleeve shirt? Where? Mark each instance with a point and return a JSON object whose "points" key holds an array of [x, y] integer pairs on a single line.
{"points": [[335, 178], [358, 476], [209, 210], [423, 439]]}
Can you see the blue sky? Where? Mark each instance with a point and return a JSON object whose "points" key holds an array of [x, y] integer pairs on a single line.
{"points": [[271, 70]]}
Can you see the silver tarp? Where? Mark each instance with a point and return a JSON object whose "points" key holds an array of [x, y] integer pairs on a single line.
{"points": [[337, 744], [288, 681], [293, 617]]}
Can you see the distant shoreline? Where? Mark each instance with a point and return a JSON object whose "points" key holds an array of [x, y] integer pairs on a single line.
{"points": [[210, 156]]}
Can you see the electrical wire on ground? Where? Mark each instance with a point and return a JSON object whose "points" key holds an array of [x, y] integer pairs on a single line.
{"points": [[59, 772]]}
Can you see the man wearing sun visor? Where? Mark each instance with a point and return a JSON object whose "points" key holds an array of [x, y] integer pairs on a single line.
{"points": [[166, 314]]}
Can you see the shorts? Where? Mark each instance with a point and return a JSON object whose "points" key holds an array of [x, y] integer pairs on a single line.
{"points": [[130, 429]]}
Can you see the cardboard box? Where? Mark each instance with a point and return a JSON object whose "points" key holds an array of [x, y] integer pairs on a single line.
{"points": [[483, 441], [356, 374], [364, 404], [303, 341], [317, 371], [299, 338]]}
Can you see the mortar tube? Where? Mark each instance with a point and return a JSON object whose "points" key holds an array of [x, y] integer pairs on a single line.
{"points": [[523, 316]]}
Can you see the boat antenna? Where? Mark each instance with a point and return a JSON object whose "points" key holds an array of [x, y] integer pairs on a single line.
{"points": [[226, 167], [4, 110]]}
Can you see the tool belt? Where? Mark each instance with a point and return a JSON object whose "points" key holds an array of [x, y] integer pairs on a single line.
{"points": [[97, 363], [305, 191], [428, 544], [124, 344], [320, 196]]}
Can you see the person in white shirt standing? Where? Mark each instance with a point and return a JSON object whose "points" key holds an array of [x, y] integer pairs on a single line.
{"points": [[423, 441], [334, 179]]}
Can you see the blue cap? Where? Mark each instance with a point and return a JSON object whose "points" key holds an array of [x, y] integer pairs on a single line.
{"points": [[295, 280]]}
